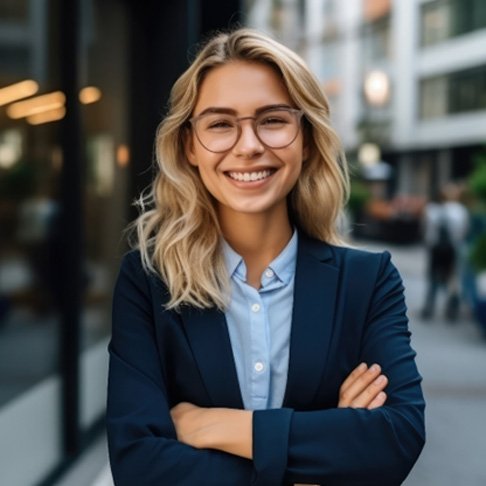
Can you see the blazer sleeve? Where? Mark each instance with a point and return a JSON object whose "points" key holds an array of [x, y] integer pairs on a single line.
{"points": [[344, 446], [142, 442]]}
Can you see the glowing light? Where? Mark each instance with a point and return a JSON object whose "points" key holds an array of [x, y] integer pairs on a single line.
{"points": [[57, 158], [90, 94], [369, 154], [47, 116], [122, 155], [37, 105], [10, 148], [17, 91], [377, 88]]}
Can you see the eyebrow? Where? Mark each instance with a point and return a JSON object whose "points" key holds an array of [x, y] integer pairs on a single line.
{"points": [[231, 111]]}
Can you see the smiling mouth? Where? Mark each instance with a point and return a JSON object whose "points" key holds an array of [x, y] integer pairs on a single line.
{"points": [[250, 176]]}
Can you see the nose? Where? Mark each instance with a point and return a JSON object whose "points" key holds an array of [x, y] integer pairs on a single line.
{"points": [[248, 144]]}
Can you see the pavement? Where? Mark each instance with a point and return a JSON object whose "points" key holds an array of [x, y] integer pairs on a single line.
{"points": [[452, 361]]}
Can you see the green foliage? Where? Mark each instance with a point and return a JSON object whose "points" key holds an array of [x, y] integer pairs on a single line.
{"points": [[477, 179], [478, 253], [358, 197]]}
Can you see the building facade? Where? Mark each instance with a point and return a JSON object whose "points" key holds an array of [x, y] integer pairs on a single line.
{"points": [[406, 75]]}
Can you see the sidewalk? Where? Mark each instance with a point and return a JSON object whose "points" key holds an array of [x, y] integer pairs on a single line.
{"points": [[452, 361], [91, 469]]}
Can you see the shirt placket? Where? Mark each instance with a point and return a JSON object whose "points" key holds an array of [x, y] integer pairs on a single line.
{"points": [[259, 364]]}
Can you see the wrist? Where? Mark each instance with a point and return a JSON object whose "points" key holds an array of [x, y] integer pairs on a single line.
{"points": [[232, 431]]}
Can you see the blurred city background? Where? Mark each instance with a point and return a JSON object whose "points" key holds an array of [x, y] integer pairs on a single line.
{"points": [[83, 85]]}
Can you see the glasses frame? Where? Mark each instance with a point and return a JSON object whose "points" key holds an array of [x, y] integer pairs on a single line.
{"points": [[298, 114]]}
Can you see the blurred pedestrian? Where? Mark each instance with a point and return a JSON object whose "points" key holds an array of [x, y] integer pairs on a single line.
{"points": [[249, 345], [446, 223]]}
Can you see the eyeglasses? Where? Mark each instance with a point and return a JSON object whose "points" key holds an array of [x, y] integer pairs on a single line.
{"points": [[275, 128]]}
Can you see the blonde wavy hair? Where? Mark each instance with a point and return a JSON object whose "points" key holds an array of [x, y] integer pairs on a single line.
{"points": [[177, 231]]}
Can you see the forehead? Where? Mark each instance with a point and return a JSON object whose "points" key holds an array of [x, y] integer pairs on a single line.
{"points": [[242, 86]]}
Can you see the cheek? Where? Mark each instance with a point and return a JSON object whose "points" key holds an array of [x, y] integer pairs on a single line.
{"points": [[208, 175]]}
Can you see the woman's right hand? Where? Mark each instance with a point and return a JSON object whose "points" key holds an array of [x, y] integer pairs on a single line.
{"points": [[363, 388]]}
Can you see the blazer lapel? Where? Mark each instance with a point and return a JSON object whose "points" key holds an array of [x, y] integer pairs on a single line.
{"points": [[312, 321], [211, 346]]}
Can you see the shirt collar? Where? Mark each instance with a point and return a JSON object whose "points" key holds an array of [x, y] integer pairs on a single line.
{"points": [[231, 258], [283, 265]]}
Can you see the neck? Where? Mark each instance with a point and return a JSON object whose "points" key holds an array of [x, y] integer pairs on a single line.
{"points": [[258, 238]]}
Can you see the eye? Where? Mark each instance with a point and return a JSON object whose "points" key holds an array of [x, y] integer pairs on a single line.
{"points": [[218, 123], [274, 120]]}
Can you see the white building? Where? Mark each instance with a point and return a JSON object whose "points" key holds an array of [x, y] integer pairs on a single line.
{"points": [[409, 75]]}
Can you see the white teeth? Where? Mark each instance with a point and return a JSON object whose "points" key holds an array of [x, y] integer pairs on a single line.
{"points": [[250, 176]]}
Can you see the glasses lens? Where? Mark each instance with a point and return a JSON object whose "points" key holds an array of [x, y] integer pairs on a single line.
{"points": [[277, 128], [217, 132]]}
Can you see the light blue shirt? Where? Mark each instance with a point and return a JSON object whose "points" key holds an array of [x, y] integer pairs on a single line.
{"points": [[259, 323]]}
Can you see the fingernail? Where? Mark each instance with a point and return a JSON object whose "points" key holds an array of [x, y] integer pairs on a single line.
{"points": [[380, 380], [375, 368], [362, 367]]}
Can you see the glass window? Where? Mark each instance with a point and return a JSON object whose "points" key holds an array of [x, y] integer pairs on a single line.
{"points": [[377, 40], [104, 116], [12, 11], [467, 90], [29, 204], [32, 281], [443, 19], [434, 97], [104, 105], [457, 92]]}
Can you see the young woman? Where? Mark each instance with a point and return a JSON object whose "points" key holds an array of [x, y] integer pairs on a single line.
{"points": [[249, 345]]}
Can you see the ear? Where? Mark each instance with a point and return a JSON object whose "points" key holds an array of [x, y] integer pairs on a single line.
{"points": [[189, 148]]}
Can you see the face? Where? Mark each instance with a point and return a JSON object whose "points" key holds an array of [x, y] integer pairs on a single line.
{"points": [[250, 177]]}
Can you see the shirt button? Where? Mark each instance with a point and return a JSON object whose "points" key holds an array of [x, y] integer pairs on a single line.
{"points": [[259, 366], [255, 307], [269, 273]]}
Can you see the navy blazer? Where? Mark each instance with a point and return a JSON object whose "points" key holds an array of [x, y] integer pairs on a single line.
{"points": [[348, 308]]}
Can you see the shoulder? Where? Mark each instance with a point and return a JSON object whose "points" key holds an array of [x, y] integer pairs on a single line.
{"points": [[133, 268], [357, 267], [132, 259], [352, 253], [364, 265], [340, 256]]}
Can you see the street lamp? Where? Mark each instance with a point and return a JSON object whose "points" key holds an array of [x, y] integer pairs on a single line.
{"points": [[377, 88]]}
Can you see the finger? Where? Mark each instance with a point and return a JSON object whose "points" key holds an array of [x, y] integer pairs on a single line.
{"points": [[181, 408], [370, 392], [360, 384], [353, 376], [378, 402]]}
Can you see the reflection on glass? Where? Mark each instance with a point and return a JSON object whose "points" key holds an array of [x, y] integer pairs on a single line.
{"points": [[103, 99], [29, 277], [443, 19], [457, 92], [29, 205], [377, 40]]}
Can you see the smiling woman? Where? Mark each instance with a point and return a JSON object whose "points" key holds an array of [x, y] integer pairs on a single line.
{"points": [[249, 345], [264, 143]]}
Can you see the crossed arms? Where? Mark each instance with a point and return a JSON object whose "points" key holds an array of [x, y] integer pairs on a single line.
{"points": [[368, 439]]}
